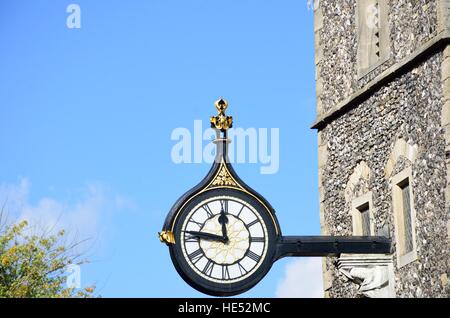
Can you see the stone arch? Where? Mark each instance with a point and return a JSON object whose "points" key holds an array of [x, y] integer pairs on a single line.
{"points": [[361, 171], [401, 149]]}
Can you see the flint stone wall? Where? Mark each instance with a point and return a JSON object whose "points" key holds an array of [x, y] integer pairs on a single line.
{"points": [[410, 107]]}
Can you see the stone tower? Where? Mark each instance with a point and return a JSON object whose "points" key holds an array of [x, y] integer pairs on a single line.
{"points": [[383, 122]]}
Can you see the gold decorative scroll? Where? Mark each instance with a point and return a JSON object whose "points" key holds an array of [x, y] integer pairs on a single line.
{"points": [[224, 178]]}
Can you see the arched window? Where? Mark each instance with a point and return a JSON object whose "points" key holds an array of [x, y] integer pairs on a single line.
{"points": [[403, 200], [359, 195]]}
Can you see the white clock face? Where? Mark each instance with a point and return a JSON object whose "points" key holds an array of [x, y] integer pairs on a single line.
{"points": [[219, 261]]}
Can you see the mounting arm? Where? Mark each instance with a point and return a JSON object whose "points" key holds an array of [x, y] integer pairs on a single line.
{"points": [[331, 245]]}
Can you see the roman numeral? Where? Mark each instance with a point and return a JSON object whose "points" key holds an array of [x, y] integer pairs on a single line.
{"points": [[208, 210], [207, 270], [242, 270], [253, 256], [225, 272], [253, 223], [197, 223], [191, 238], [196, 255], [240, 211], [224, 205], [256, 239]]}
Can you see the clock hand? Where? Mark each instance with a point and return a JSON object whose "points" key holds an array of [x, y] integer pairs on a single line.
{"points": [[223, 220], [206, 236]]}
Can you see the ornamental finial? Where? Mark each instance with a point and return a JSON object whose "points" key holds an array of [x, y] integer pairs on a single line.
{"points": [[221, 121]]}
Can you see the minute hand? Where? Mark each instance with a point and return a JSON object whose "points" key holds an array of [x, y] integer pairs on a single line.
{"points": [[206, 236], [223, 220]]}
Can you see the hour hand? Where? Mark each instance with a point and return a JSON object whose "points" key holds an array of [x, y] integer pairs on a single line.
{"points": [[223, 220], [206, 236]]}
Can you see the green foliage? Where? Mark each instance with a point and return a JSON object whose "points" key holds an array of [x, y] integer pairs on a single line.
{"points": [[35, 265]]}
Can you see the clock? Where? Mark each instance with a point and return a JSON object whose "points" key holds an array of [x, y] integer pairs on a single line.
{"points": [[223, 236], [226, 242]]}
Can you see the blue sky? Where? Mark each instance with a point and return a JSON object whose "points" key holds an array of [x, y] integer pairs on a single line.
{"points": [[86, 117]]}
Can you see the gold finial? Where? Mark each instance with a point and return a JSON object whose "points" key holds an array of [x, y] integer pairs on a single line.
{"points": [[221, 105], [221, 121]]}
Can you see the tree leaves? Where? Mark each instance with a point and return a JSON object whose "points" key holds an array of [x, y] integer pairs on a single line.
{"points": [[35, 265]]}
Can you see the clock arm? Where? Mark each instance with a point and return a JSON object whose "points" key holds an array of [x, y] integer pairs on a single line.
{"points": [[223, 220], [331, 245], [224, 232], [207, 236]]}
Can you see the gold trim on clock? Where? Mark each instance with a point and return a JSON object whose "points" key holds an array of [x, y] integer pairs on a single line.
{"points": [[167, 237], [223, 177], [226, 175]]}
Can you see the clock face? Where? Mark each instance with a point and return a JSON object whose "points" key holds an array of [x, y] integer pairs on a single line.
{"points": [[225, 242], [234, 259]]}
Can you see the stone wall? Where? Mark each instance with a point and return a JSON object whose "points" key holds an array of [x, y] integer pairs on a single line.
{"points": [[370, 127], [411, 24], [408, 109]]}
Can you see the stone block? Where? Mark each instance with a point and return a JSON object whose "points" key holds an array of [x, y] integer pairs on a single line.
{"points": [[320, 139], [445, 118], [319, 87], [327, 280], [317, 72], [323, 155], [447, 52], [446, 89], [389, 168], [444, 280], [319, 106], [321, 194], [447, 136], [447, 199], [318, 20], [446, 68], [318, 56], [443, 8], [448, 229]]}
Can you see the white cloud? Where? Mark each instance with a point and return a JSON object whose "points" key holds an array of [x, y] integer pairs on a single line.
{"points": [[13, 196], [302, 279], [84, 214]]}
